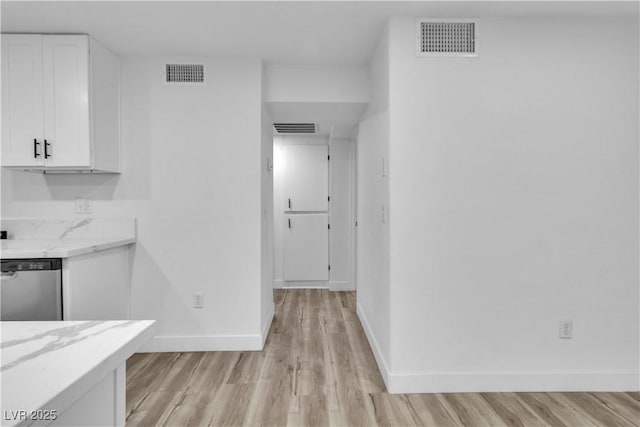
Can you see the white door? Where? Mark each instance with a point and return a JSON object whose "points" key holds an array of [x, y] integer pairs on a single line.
{"points": [[306, 247], [306, 178], [22, 99], [66, 100]]}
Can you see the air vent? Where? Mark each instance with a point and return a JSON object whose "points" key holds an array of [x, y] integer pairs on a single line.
{"points": [[185, 73], [295, 127], [442, 37]]}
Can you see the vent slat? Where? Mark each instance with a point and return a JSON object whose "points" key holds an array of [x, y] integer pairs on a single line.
{"points": [[185, 73], [295, 127], [447, 38]]}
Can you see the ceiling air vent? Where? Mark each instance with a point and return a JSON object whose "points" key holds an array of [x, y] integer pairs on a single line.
{"points": [[184, 73], [447, 37], [283, 128]]}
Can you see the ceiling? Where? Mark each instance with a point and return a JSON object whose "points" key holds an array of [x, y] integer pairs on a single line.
{"points": [[280, 32]]}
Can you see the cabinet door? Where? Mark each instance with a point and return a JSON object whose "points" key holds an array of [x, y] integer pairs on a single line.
{"points": [[306, 178], [306, 247], [66, 100], [22, 100]]}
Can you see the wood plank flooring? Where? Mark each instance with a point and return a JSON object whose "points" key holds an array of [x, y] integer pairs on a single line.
{"points": [[317, 369]]}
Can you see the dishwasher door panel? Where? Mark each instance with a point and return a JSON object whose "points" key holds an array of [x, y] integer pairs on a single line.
{"points": [[31, 295]]}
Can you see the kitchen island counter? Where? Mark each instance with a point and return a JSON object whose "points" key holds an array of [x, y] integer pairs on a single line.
{"points": [[67, 373]]}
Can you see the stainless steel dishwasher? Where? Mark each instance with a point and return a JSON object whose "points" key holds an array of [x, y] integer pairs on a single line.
{"points": [[31, 289]]}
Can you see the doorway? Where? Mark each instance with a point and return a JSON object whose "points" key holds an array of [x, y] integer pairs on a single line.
{"points": [[314, 212]]}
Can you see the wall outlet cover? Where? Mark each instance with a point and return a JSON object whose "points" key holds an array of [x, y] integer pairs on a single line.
{"points": [[84, 206]]}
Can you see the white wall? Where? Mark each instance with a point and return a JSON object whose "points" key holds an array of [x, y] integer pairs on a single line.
{"points": [[192, 176], [514, 190], [317, 83], [266, 225], [333, 97], [373, 194], [341, 235], [278, 210]]}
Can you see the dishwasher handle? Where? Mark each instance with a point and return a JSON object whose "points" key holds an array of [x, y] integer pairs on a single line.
{"points": [[9, 275]]}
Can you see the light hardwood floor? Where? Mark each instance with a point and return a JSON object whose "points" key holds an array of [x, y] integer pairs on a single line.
{"points": [[317, 369]]}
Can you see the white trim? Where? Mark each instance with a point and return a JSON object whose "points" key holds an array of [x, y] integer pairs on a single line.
{"points": [[373, 343], [267, 326], [473, 382], [305, 284], [333, 286], [341, 286], [172, 343]]}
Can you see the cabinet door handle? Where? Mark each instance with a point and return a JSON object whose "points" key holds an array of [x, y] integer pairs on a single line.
{"points": [[289, 204], [46, 152], [35, 148], [289, 223]]}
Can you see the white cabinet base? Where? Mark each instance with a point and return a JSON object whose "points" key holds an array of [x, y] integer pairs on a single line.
{"points": [[103, 405], [95, 286]]}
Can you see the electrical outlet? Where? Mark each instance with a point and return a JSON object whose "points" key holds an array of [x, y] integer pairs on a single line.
{"points": [[566, 329], [198, 300], [84, 206]]}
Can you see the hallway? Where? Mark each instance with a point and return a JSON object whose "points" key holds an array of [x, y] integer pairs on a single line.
{"points": [[317, 369]]}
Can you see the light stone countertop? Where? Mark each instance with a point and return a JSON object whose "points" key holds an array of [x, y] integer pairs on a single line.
{"points": [[64, 238], [49, 365], [58, 248]]}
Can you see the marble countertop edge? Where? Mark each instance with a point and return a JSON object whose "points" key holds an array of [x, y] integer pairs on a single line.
{"points": [[51, 248], [78, 388], [78, 384]]}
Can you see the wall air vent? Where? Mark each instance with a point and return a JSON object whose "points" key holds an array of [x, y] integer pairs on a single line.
{"points": [[447, 37], [288, 128], [184, 73]]}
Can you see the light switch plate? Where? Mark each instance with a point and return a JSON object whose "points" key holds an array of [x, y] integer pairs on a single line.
{"points": [[566, 329], [198, 300]]}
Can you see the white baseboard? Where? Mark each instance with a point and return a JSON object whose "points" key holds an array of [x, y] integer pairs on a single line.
{"points": [[305, 284], [341, 286], [461, 382], [334, 286], [169, 343], [373, 343]]}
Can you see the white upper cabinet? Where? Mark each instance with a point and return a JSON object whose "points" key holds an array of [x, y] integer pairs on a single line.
{"points": [[22, 109], [60, 104], [66, 100]]}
